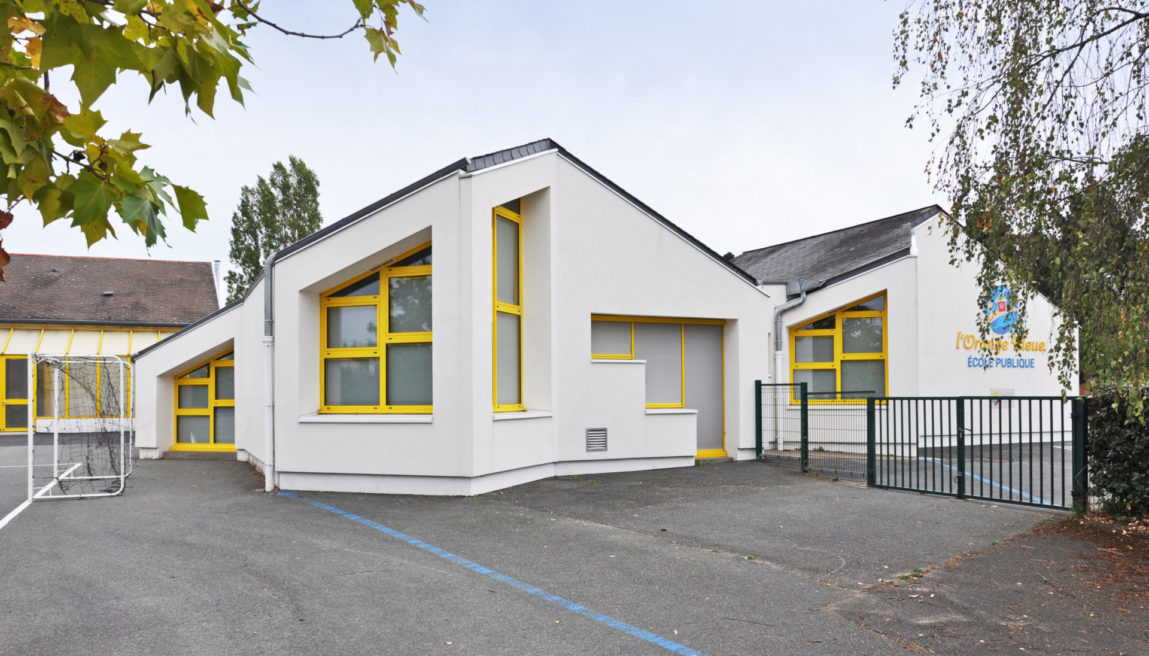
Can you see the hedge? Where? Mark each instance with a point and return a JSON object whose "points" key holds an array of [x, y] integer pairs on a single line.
{"points": [[1118, 450]]}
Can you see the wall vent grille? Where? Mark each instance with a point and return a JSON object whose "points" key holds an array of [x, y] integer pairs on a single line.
{"points": [[595, 439]]}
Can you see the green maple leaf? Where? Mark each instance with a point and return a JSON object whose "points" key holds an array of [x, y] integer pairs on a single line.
{"points": [[92, 197]]}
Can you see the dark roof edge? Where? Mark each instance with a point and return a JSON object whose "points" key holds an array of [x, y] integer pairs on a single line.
{"points": [[670, 225], [95, 324], [921, 217], [458, 166], [189, 327]]}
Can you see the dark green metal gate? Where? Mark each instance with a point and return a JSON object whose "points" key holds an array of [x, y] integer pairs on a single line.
{"points": [[1006, 449]]}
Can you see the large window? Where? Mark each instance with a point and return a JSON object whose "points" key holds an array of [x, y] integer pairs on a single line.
{"points": [[842, 355], [376, 332], [508, 307], [205, 406]]}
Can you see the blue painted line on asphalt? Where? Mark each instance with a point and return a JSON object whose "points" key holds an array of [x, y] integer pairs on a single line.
{"points": [[602, 618], [994, 483]]}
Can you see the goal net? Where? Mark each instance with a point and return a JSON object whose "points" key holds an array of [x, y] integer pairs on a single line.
{"points": [[80, 430]]}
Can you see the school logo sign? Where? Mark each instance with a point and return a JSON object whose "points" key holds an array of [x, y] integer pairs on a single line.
{"points": [[1001, 314]]}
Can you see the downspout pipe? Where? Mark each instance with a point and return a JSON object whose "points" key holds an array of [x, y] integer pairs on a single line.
{"points": [[799, 287], [269, 471]]}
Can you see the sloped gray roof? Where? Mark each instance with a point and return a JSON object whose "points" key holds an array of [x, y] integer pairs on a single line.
{"points": [[830, 256], [58, 289], [475, 164]]}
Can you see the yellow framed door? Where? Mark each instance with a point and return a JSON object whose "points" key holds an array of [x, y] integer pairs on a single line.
{"points": [[14, 393]]}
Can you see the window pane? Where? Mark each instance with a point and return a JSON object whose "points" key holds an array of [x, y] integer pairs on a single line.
{"points": [[409, 305], [225, 425], [508, 363], [230, 355], [813, 349], [46, 391], [349, 327], [660, 344], [609, 338], [83, 386], [16, 416], [409, 374], [110, 390], [820, 383], [199, 372], [862, 378], [193, 396], [512, 205], [225, 382], [193, 430], [423, 257], [873, 304], [16, 378], [507, 236], [825, 323], [351, 381], [369, 286], [862, 335]]}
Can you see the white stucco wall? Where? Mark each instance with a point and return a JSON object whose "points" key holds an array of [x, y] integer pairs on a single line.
{"points": [[586, 250], [948, 297]]}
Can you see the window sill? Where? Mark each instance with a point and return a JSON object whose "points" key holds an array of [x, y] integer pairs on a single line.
{"points": [[366, 419], [616, 361], [526, 414], [671, 411]]}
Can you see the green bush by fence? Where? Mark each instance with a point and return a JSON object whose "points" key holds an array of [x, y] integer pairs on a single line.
{"points": [[1119, 454]]}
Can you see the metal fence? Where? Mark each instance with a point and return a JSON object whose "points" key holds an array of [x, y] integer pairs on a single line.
{"points": [[1022, 450], [1010, 449], [813, 432]]}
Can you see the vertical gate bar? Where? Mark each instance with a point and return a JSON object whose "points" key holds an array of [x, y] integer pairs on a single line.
{"points": [[1080, 462], [758, 419], [871, 442], [805, 453], [961, 449], [1003, 445], [1041, 459]]}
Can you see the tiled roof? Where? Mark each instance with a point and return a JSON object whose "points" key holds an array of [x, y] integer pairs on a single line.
{"points": [[75, 290], [831, 256]]}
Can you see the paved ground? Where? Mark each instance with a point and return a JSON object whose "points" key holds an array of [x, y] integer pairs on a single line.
{"points": [[737, 558]]}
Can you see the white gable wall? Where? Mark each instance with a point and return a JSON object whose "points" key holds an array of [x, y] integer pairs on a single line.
{"points": [[948, 296]]}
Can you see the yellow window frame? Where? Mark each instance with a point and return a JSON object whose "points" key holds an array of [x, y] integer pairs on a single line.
{"points": [[681, 323], [225, 360], [383, 336], [505, 308], [4, 400], [840, 315]]}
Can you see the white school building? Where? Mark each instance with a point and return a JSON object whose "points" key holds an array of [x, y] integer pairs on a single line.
{"points": [[518, 315]]}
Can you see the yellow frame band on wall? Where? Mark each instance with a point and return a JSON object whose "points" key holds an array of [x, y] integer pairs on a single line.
{"points": [[840, 315], [383, 336], [226, 360], [505, 307]]}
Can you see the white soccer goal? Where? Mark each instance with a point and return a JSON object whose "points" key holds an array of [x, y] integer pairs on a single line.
{"points": [[80, 430]]}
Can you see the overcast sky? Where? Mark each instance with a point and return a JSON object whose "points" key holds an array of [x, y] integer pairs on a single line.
{"points": [[746, 123]]}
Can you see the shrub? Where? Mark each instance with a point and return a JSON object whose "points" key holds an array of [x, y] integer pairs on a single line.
{"points": [[1119, 452]]}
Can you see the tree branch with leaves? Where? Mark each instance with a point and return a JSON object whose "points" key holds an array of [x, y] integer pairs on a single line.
{"points": [[1038, 110], [59, 159]]}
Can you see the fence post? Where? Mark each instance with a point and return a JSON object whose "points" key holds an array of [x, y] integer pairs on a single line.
{"points": [[871, 443], [805, 453], [758, 419], [1080, 462], [960, 448]]}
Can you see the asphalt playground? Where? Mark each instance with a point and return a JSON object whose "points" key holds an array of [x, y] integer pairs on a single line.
{"points": [[731, 558]]}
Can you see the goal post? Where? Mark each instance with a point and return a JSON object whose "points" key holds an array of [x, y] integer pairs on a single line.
{"points": [[80, 428]]}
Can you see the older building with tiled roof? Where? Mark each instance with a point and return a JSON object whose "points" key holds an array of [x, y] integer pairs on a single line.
{"points": [[90, 306], [106, 291]]}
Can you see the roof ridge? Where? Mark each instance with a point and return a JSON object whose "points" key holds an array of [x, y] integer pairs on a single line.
{"points": [[121, 259], [850, 227]]}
